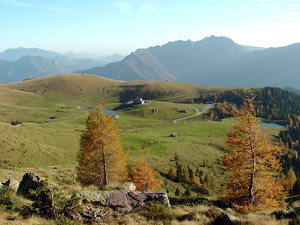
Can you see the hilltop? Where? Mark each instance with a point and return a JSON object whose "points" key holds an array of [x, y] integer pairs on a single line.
{"points": [[96, 89]]}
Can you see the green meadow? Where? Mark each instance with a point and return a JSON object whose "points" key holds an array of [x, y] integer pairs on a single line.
{"points": [[49, 146]]}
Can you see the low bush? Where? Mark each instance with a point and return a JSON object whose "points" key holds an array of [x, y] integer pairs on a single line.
{"points": [[295, 222], [157, 212], [62, 220], [49, 204], [189, 201], [9, 200]]}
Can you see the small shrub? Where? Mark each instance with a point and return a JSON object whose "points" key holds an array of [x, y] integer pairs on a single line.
{"points": [[295, 222], [177, 192], [157, 212], [213, 213], [190, 216], [187, 193], [43, 203], [9, 200], [48, 203], [73, 204], [62, 220], [5, 198], [189, 201]]}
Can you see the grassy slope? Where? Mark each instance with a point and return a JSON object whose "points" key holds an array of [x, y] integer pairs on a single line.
{"points": [[40, 142]]}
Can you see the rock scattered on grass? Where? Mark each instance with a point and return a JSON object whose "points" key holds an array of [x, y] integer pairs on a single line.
{"points": [[13, 184], [225, 219], [174, 134]]}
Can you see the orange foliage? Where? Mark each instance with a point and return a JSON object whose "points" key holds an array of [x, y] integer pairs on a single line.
{"points": [[291, 179], [102, 160], [252, 165], [144, 177]]}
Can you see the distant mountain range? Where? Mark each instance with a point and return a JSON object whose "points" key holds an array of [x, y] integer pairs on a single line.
{"points": [[212, 61], [23, 63], [15, 54]]}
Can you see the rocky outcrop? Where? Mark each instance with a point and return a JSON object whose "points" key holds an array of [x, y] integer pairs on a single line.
{"points": [[123, 201], [13, 184], [30, 181]]}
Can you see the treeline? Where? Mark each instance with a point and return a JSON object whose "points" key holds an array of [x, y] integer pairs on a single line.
{"points": [[271, 103], [289, 139], [193, 180]]}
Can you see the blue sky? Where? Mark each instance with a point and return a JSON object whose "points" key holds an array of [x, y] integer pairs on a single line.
{"points": [[121, 26]]}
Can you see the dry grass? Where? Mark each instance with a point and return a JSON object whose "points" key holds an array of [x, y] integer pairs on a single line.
{"points": [[204, 215], [12, 218], [262, 218]]}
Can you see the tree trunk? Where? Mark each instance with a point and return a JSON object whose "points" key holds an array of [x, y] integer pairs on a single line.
{"points": [[104, 166], [253, 171], [251, 197]]}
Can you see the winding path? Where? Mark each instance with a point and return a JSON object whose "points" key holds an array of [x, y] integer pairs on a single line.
{"points": [[204, 109]]}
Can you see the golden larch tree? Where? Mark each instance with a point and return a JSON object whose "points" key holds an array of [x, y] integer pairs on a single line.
{"points": [[172, 173], [252, 165], [102, 160], [291, 179], [144, 177]]}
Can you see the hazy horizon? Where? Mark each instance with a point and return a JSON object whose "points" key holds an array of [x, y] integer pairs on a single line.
{"points": [[122, 26]]}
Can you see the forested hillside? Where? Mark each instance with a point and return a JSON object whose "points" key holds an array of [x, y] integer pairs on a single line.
{"points": [[271, 103]]}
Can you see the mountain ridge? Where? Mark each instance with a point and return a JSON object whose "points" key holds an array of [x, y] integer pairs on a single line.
{"points": [[213, 61], [23, 63]]}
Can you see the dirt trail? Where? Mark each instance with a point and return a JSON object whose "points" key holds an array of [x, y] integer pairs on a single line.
{"points": [[204, 109]]}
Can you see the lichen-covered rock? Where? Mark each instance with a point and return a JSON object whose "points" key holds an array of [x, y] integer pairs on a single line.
{"points": [[13, 184], [123, 201], [97, 197], [129, 186], [30, 181]]}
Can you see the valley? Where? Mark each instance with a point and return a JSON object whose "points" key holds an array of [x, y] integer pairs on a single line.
{"points": [[40, 142], [53, 112]]}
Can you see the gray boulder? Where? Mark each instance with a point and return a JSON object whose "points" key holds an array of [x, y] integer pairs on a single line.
{"points": [[30, 181], [174, 134], [225, 219], [13, 184], [129, 186], [123, 201]]}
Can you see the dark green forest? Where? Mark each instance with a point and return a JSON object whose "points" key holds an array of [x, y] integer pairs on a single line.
{"points": [[273, 104]]}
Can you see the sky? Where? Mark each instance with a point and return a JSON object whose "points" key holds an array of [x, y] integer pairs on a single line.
{"points": [[104, 27]]}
